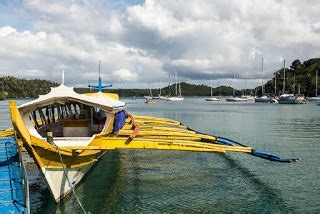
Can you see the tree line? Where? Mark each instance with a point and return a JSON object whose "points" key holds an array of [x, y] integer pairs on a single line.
{"points": [[299, 75]]}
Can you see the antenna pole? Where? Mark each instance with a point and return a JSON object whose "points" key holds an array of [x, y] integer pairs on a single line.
{"points": [[100, 82], [62, 78]]}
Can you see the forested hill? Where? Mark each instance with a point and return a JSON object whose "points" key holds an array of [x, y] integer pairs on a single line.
{"points": [[303, 74], [186, 88], [22, 88]]}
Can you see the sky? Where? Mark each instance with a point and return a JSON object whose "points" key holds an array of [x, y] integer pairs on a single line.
{"points": [[145, 41]]}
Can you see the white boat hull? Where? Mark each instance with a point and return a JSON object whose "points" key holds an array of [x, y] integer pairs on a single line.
{"points": [[212, 99], [58, 183], [265, 100], [291, 99], [175, 98], [236, 99]]}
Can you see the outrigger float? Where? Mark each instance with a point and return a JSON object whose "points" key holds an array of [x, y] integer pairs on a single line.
{"points": [[67, 133]]}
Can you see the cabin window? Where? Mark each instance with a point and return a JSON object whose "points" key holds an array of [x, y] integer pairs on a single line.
{"points": [[69, 120]]}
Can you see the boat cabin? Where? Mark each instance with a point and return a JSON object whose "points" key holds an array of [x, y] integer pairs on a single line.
{"points": [[63, 116]]}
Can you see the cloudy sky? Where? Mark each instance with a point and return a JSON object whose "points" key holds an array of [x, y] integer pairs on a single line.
{"points": [[143, 41]]}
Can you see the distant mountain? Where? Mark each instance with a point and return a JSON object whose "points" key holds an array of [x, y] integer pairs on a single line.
{"points": [[303, 74]]}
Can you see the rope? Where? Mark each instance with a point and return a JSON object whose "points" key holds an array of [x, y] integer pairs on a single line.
{"points": [[66, 174]]}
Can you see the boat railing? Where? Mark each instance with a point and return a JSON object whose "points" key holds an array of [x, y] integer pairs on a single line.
{"points": [[25, 182], [24, 179], [71, 138]]}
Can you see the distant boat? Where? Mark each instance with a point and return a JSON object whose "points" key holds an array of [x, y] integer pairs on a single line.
{"points": [[265, 99], [235, 98], [162, 97], [150, 99], [178, 96], [290, 98], [212, 98], [316, 97], [175, 98], [249, 97]]}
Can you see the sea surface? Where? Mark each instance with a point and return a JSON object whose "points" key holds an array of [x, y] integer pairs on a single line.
{"points": [[176, 181]]}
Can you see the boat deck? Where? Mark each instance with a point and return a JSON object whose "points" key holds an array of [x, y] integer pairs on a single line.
{"points": [[13, 183]]}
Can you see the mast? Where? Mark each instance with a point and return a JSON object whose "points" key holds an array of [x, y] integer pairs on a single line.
{"points": [[100, 82], [317, 82], [150, 90], [62, 78], [169, 85], [234, 77], [176, 84], [211, 88], [179, 90], [100, 87], [245, 87], [275, 83], [294, 83], [160, 89], [284, 76], [262, 76]]}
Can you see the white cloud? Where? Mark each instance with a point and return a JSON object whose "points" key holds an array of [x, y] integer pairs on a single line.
{"points": [[143, 42], [125, 75]]}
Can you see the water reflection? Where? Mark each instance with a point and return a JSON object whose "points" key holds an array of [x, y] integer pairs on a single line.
{"points": [[168, 181]]}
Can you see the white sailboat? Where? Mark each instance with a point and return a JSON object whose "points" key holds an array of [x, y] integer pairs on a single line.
{"points": [[178, 96], [316, 97], [264, 98], [212, 98], [289, 98], [234, 98]]}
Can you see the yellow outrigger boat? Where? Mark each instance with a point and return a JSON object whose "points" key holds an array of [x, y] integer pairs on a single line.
{"points": [[66, 133]]}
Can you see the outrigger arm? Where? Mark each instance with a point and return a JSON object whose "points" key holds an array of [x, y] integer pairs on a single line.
{"points": [[167, 134]]}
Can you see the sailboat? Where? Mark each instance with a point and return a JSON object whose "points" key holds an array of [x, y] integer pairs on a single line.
{"points": [[211, 98], [316, 97], [150, 99], [264, 98], [289, 98], [178, 95], [235, 98]]}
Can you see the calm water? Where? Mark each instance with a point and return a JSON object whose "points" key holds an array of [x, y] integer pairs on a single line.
{"points": [[167, 181]]}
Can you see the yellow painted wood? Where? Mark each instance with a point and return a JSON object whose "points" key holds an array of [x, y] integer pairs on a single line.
{"points": [[155, 133], [7, 132]]}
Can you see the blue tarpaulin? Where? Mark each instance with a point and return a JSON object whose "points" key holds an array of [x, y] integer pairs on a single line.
{"points": [[120, 120]]}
